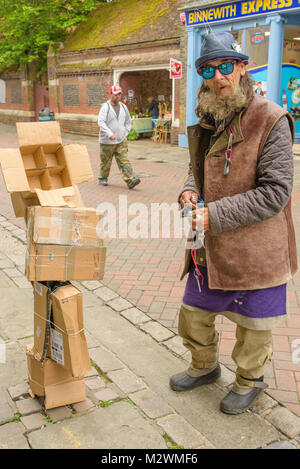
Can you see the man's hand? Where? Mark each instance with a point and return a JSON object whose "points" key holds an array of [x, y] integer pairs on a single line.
{"points": [[200, 220], [186, 197], [112, 137]]}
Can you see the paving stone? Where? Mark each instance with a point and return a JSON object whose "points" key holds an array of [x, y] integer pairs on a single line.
{"points": [[180, 431], [28, 406], [105, 294], [106, 394], [280, 445], [135, 316], [22, 237], [92, 372], [151, 404], [59, 413], [83, 406], [285, 421], [126, 380], [18, 391], [95, 383], [91, 284], [119, 426], [6, 412], [175, 344], [33, 422], [7, 225], [11, 437], [22, 282], [119, 304], [264, 403], [91, 340], [157, 331], [12, 272], [105, 360], [6, 264]]}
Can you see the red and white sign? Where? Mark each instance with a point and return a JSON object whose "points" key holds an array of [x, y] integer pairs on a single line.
{"points": [[175, 68]]}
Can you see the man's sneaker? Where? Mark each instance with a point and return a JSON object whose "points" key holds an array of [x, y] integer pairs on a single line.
{"points": [[103, 182], [134, 182]]}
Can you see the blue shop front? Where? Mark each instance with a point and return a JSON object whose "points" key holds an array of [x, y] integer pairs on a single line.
{"points": [[268, 32]]}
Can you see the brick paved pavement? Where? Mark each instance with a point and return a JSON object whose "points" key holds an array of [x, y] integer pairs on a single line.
{"points": [[146, 271]]}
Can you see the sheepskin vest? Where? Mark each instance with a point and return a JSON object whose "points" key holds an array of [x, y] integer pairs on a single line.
{"points": [[255, 256]]}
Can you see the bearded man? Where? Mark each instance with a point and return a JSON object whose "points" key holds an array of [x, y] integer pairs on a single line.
{"points": [[241, 165]]}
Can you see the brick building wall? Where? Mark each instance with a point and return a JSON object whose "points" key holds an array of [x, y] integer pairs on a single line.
{"points": [[79, 79], [79, 82], [17, 97]]}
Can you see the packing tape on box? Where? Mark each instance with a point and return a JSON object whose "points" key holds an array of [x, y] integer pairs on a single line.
{"points": [[57, 327], [60, 227], [53, 384], [69, 255]]}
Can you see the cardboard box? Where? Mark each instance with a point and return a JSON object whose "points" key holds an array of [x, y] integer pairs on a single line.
{"points": [[45, 262], [67, 342], [64, 226], [42, 162], [65, 197], [52, 381]]}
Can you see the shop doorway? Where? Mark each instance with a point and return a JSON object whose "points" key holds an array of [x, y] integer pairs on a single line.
{"points": [[138, 86]]}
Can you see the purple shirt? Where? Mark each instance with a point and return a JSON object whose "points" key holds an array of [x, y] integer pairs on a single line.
{"points": [[264, 303]]}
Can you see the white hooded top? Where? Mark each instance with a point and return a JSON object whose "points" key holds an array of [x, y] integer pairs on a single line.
{"points": [[110, 124]]}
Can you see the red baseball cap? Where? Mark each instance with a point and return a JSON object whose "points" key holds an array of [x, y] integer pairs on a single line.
{"points": [[115, 89]]}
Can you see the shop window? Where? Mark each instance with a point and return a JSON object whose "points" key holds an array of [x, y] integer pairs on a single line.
{"points": [[257, 45], [2, 92], [290, 75]]}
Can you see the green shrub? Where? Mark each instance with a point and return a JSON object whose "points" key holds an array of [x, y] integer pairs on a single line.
{"points": [[133, 135]]}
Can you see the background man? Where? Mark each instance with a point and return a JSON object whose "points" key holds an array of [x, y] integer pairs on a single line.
{"points": [[114, 123], [242, 167], [153, 109]]}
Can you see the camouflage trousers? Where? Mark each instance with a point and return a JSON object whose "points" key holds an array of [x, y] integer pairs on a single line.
{"points": [[120, 152]]}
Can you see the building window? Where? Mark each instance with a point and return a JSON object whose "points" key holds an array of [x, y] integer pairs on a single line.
{"points": [[71, 95], [95, 95], [16, 94], [257, 45], [2, 92]]}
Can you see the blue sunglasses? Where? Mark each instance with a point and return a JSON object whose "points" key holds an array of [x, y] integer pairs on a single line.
{"points": [[225, 68]]}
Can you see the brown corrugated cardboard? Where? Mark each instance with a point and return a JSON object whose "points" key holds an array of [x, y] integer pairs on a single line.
{"points": [[13, 170], [38, 133], [68, 346], [20, 204], [40, 316], [65, 197], [66, 226], [53, 381], [56, 262], [42, 162], [68, 342]]}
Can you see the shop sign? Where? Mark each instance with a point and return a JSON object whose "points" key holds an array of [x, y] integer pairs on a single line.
{"points": [[257, 38], [175, 68], [238, 10]]}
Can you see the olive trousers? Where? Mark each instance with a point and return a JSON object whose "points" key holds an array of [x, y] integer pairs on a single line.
{"points": [[252, 352]]}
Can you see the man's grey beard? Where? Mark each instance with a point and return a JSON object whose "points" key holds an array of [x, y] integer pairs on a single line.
{"points": [[210, 103]]}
